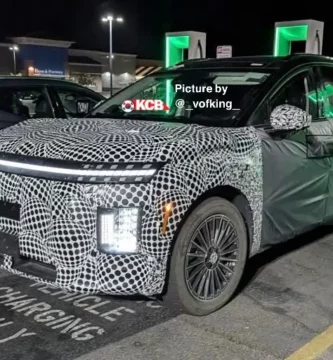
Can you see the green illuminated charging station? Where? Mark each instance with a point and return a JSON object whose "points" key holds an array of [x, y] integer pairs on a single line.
{"points": [[310, 31], [177, 42]]}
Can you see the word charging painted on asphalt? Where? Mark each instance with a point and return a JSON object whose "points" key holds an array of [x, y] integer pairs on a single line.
{"points": [[56, 319], [144, 105]]}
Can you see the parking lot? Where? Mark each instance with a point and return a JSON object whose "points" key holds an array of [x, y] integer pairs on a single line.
{"points": [[284, 311]]}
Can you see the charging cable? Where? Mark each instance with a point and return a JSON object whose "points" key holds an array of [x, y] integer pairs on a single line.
{"points": [[318, 41], [200, 48]]}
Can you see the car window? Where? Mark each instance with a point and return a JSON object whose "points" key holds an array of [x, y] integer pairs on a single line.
{"points": [[298, 91], [76, 101], [25, 102], [325, 94]]}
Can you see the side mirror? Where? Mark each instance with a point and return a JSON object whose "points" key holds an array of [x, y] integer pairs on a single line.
{"points": [[289, 117]]}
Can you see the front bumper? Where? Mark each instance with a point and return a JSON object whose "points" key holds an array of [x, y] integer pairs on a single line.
{"points": [[54, 239], [109, 274]]}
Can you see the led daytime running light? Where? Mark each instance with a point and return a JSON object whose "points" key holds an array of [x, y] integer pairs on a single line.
{"points": [[77, 172]]}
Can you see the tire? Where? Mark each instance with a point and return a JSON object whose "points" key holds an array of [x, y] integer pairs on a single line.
{"points": [[182, 293]]}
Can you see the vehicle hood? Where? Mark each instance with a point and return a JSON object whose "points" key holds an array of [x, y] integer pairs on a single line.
{"points": [[114, 140]]}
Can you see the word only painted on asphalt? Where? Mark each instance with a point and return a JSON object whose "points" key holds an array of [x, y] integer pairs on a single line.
{"points": [[12, 335]]}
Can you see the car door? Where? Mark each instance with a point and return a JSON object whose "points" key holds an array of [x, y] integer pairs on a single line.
{"points": [[320, 141], [73, 101], [294, 182]]}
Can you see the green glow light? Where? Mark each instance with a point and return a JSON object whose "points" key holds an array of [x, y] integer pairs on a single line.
{"points": [[169, 93], [174, 53], [313, 97], [175, 46], [322, 95], [284, 35]]}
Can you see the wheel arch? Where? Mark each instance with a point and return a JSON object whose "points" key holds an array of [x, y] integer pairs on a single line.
{"points": [[236, 197], [230, 193]]}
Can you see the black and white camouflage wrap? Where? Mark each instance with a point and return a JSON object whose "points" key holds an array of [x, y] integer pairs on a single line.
{"points": [[58, 219], [289, 117]]}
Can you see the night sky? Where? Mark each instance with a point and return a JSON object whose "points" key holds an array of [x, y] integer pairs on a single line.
{"points": [[248, 28]]}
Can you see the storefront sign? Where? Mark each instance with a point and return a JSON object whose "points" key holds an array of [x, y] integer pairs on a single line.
{"points": [[48, 72]]}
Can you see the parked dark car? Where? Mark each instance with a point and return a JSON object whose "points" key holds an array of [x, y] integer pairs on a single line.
{"points": [[24, 98], [172, 202]]}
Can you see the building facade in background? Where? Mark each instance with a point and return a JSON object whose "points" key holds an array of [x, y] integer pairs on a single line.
{"points": [[53, 58], [91, 68], [147, 67]]}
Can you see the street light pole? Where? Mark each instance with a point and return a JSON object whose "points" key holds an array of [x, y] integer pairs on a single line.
{"points": [[110, 19], [14, 56], [110, 58], [14, 49]]}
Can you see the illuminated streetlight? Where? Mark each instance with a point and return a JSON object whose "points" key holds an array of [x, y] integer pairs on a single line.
{"points": [[111, 19], [14, 48]]}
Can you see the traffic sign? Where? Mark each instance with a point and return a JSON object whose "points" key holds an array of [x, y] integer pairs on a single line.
{"points": [[224, 51]]}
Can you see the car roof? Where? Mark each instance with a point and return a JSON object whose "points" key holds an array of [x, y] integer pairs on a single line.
{"points": [[42, 81], [254, 62], [22, 80]]}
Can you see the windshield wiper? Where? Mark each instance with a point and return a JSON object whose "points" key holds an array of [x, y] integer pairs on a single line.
{"points": [[146, 116], [181, 118], [106, 116], [127, 116]]}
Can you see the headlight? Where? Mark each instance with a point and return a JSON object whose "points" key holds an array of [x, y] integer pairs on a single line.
{"points": [[118, 230]]}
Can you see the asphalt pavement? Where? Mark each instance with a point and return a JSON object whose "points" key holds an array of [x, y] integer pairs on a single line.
{"points": [[282, 311]]}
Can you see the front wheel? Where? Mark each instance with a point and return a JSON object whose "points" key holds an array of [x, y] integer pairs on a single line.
{"points": [[208, 258]]}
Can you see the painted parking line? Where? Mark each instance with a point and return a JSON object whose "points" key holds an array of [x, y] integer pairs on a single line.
{"points": [[315, 347]]}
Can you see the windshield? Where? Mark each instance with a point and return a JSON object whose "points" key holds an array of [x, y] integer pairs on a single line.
{"points": [[193, 96]]}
